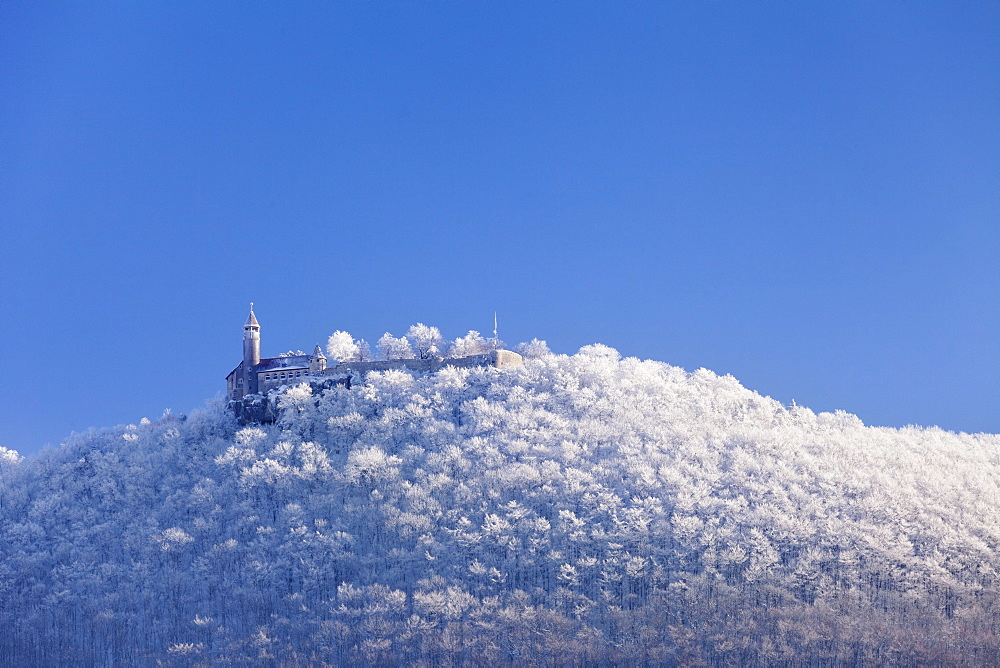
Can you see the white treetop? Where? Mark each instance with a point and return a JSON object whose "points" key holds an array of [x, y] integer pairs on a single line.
{"points": [[427, 341], [534, 349], [391, 348], [472, 343], [341, 347]]}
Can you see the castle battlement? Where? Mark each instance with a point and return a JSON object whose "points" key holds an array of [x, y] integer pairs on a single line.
{"points": [[256, 375]]}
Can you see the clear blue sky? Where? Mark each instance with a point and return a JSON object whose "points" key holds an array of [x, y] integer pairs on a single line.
{"points": [[805, 195]]}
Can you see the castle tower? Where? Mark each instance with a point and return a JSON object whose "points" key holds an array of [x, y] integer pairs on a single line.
{"points": [[317, 361], [251, 351]]}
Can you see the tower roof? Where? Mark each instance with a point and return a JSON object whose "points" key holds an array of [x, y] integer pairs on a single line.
{"points": [[251, 319], [318, 352]]}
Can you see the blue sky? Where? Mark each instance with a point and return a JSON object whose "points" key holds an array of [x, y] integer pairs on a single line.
{"points": [[805, 195]]}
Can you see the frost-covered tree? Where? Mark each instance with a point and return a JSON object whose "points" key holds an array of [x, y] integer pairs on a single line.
{"points": [[600, 351], [341, 347], [391, 348], [364, 351], [534, 349], [9, 457], [427, 341], [472, 343]]}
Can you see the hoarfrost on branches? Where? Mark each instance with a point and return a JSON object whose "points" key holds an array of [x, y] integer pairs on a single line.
{"points": [[9, 456], [427, 341], [534, 349], [341, 347], [364, 351], [391, 348], [581, 509], [472, 343]]}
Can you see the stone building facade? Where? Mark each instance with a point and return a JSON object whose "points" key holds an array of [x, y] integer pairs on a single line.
{"points": [[256, 375]]}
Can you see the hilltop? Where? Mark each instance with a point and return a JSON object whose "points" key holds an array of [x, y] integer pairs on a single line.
{"points": [[577, 509]]}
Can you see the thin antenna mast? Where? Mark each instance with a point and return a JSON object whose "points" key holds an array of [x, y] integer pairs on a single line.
{"points": [[496, 341]]}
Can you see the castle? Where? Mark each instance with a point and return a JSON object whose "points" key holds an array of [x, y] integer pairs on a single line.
{"points": [[254, 375]]}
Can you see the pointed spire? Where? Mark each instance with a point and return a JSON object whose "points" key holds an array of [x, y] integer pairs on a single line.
{"points": [[251, 319], [318, 352]]}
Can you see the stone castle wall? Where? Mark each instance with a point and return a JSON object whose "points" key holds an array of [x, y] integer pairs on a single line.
{"points": [[259, 408], [501, 359]]}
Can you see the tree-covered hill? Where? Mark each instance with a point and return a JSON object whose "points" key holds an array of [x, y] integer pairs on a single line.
{"points": [[580, 510]]}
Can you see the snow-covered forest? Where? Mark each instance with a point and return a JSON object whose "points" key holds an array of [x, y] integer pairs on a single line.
{"points": [[580, 509]]}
